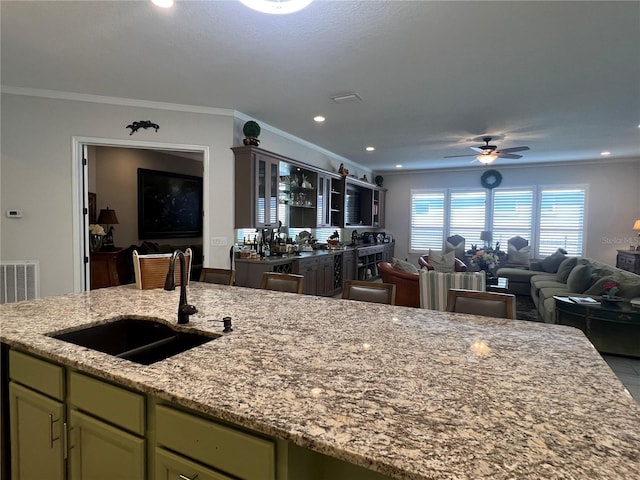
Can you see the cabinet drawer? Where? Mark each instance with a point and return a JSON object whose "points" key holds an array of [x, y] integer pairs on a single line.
{"points": [[234, 452], [40, 375], [108, 402], [173, 467]]}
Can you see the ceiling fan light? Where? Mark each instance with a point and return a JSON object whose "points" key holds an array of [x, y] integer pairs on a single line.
{"points": [[278, 7], [486, 159]]}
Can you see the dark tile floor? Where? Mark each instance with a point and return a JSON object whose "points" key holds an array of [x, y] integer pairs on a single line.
{"points": [[627, 369]]}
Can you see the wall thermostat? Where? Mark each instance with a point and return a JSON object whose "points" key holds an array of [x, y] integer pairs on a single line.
{"points": [[14, 213]]}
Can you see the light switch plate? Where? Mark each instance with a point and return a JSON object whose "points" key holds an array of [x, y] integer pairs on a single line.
{"points": [[219, 241]]}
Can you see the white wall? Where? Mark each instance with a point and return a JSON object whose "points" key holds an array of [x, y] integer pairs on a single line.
{"points": [[36, 170], [613, 199], [37, 173]]}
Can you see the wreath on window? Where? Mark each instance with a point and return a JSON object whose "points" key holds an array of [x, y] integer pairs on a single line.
{"points": [[491, 179]]}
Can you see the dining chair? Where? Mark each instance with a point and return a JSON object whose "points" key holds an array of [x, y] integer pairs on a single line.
{"points": [[364, 291], [151, 270], [488, 304], [221, 276], [282, 282]]}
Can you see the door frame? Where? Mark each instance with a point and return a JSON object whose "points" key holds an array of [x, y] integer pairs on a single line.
{"points": [[80, 220]]}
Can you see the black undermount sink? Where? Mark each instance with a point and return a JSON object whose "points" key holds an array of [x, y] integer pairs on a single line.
{"points": [[141, 341]]}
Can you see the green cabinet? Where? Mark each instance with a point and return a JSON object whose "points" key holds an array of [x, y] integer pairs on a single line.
{"points": [[98, 451], [37, 431], [169, 466]]}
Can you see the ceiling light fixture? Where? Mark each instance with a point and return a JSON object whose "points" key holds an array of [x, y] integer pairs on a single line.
{"points": [[398, 166], [370, 149], [605, 153], [163, 3], [276, 7], [486, 159], [319, 119]]}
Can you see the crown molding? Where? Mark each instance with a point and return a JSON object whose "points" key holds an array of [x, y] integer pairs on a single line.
{"points": [[126, 102]]}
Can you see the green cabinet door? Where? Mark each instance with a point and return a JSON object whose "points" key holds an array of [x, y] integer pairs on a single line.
{"points": [[37, 449], [98, 451], [174, 467]]}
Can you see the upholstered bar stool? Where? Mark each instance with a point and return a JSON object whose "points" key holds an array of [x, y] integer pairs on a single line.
{"points": [[488, 304], [369, 291], [220, 276], [282, 282]]}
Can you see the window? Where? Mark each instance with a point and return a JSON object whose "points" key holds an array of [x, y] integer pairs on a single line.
{"points": [[550, 218], [512, 214], [467, 215], [427, 220], [561, 221]]}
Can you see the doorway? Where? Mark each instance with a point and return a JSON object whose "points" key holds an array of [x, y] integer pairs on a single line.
{"points": [[111, 166]]}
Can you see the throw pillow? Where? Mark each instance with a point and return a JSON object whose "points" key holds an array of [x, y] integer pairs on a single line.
{"points": [[403, 266], [442, 263], [597, 288], [518, 257], [552, 262], [579, 279], [565, 268]]}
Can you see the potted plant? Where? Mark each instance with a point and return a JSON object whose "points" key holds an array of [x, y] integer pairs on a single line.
{"points": [[251, 132]]}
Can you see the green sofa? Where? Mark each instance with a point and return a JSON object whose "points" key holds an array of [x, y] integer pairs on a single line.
{"points": [[579, 277]]}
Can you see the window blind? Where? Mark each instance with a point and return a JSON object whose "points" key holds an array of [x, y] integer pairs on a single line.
{"points": [[561, 221], [427, 221], [512, 214], [467, 215]]}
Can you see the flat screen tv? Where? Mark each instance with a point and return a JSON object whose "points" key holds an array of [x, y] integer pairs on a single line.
{"points": [[169, 205]]}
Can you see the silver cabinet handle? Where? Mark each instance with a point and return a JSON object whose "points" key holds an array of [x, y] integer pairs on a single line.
{"points": [[184, 477], [65, 440]]}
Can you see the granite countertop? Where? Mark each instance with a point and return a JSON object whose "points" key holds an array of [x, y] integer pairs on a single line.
{"points": [[411, 393]]}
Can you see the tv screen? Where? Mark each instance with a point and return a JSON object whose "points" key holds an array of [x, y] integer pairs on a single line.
{"points": [[169, 205]]}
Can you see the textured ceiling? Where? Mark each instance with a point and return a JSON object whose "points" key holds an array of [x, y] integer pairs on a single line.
{"points": [[560, 77]]}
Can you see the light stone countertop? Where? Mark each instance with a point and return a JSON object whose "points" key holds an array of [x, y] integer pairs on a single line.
{"points": [[411, 393]]}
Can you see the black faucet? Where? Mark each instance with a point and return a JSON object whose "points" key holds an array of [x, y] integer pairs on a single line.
{"points": [[184, 309]]}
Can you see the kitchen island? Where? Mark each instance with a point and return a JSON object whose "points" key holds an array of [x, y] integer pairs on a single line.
{"points": [[408, 393]]}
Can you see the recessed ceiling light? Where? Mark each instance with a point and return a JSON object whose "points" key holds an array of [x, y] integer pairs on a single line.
{"points": [[605, 153], [163, 3], [370, 149], [277, 7], [319, 118], [398, 166]]}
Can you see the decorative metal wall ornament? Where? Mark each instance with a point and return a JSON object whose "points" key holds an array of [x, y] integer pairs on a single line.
{"points": [[142, 124]]}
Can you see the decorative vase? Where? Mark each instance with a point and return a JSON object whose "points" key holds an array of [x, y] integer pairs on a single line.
{"points": [[251, 141], [96, 242]]}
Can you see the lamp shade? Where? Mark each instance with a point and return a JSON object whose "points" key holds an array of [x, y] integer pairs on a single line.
{"points": [[486, 235], [107, 217], [636, 226]]}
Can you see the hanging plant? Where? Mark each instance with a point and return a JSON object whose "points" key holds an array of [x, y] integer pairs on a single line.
{"points": [[251, 132]]}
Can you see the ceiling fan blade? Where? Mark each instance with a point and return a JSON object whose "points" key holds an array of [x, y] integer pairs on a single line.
{"points": [[478, 149], [508, 155], [457, 156], [513, 149]]}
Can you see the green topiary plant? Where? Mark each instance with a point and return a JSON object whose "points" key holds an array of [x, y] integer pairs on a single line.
{"points": [[251, 131]]}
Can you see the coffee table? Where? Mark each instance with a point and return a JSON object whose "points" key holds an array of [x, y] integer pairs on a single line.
{"points": [[499, 285]]}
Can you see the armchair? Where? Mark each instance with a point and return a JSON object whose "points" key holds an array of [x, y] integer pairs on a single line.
{"points": [[435, 286], [407, 288], [455, 243]]}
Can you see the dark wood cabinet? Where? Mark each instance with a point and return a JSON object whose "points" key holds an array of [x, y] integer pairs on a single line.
{"points": [[109, 269], [628, 260]]}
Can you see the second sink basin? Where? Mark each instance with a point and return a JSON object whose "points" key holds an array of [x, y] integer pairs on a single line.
{"points": [[138, 340]]}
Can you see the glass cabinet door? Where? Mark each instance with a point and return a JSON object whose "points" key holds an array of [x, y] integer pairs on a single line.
{"points": [[297, 197], [267, 193]]}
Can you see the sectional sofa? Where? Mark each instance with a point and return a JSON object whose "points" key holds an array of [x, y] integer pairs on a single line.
{"points": [[580, 277]]}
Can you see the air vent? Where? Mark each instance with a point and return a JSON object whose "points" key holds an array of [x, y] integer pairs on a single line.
{"points": [[18, 281], [346, 98]]}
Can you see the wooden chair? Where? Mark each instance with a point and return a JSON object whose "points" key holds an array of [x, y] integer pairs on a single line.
{"points": [[369, 291], [489, 304], [151, 270], [220, 276], [282, 282]]}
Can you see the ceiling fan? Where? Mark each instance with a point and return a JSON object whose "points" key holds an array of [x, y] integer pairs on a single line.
{"points": [[489, 153]]}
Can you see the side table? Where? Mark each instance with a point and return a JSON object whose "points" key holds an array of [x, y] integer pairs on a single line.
{"points": [[109, 269], [611, 329], [628, 260]]}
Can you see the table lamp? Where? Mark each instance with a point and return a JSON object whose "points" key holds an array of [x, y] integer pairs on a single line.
{"points": [[487, 236], [108, 217]]}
